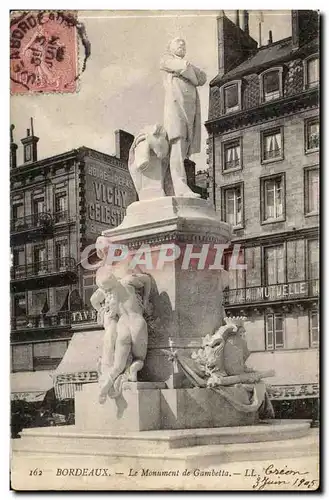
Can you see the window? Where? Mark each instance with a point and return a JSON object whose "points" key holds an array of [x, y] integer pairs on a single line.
{"points": [[39, 302], [40, 259], [314, 328], [231, 155], [312, 135], [28, 152], [274, 329], [273, 196], [271, 145], [231, 95], [236, 277], [232, 205], [19, 312], [38, 206], [18, 211], [19, 257], [61, 253], [18, 221], [271, 84], [311, 72], [60, 207], [312, 191], [20, 308], [89, 287], [22, 359], [274, 265], [47, 355], [61, 298], [313, 259]]}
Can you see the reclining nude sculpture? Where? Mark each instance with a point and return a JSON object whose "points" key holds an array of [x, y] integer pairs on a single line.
{"points": [[120, 302]]}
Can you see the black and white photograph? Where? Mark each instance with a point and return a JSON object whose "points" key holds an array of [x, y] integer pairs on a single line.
{"points": [[164, 245]]}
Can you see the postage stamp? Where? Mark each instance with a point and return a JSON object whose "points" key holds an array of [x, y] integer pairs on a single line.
{"points": [[43, 52], [164, 320]]}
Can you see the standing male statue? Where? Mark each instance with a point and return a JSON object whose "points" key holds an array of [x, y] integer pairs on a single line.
{"points": [[182, 117]]}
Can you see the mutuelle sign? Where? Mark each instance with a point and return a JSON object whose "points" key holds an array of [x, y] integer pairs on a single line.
{"points": [[268, 293]]}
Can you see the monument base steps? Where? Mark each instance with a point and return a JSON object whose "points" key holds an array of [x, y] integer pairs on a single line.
{"points": [[66, 447]]}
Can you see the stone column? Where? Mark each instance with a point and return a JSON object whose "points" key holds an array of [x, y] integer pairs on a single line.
{"points": [[187, 302]]}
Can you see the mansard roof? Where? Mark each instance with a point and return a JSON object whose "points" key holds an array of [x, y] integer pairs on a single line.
{"points": [[265, 57]]}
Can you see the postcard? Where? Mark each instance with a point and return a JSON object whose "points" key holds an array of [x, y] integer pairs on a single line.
{"points": [[164, 235]]}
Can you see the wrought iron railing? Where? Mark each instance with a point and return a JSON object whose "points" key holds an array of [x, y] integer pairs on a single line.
{"points": [[281, 291], [62, 216], [33, 221], [43, 268], [34, 321], [42, 220], [53, 320]]}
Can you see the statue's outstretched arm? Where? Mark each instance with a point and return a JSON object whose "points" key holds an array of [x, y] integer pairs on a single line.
{"points": [[147, 288], [97, 299], [142, 281]]}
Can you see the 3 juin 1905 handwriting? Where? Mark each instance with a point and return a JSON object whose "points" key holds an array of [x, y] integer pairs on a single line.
{"points": [[280, 476]]}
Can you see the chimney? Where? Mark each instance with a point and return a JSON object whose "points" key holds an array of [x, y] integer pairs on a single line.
{"points": [[237, 18], [13, 148], [270, 38], [304, 26], [123, 142], [234, 45], [190, 173], [245, 22], [30, 145]]}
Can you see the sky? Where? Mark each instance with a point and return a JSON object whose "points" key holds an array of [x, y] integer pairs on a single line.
{"points": [[122, 86]]}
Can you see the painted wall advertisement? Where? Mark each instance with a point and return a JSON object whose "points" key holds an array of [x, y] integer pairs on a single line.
{"points": [[109, 190]]}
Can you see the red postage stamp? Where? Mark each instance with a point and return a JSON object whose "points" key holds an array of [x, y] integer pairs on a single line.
{"points": [[43, 52]]}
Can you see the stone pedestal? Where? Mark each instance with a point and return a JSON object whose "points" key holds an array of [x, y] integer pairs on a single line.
{"points": [[187, 301], [137, 409], [146, 406], [232, 450], [200, 408]]}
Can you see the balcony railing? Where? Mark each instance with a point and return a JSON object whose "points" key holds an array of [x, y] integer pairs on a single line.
{"points": [[44, 268], [53, 320], [32, 322], [279, 292], [42, 220], [61, 216]]}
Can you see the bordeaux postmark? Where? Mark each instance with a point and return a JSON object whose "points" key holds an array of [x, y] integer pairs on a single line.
{"points": [[44, 51]]}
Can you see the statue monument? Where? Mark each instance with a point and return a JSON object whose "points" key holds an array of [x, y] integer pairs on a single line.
{"points": [[186, 299], [169, 357], [182, 116], [120, 304]]}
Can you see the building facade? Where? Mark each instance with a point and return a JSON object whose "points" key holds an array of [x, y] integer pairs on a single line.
{"points": [[59, 205], [263, 149]]}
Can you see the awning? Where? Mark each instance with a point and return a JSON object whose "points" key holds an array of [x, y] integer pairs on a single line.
{"points": [[31, 386], [79, 364]]}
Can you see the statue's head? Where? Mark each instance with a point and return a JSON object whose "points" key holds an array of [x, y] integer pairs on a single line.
{"points": [[105, 278], [177, 47], [241, 332]]}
